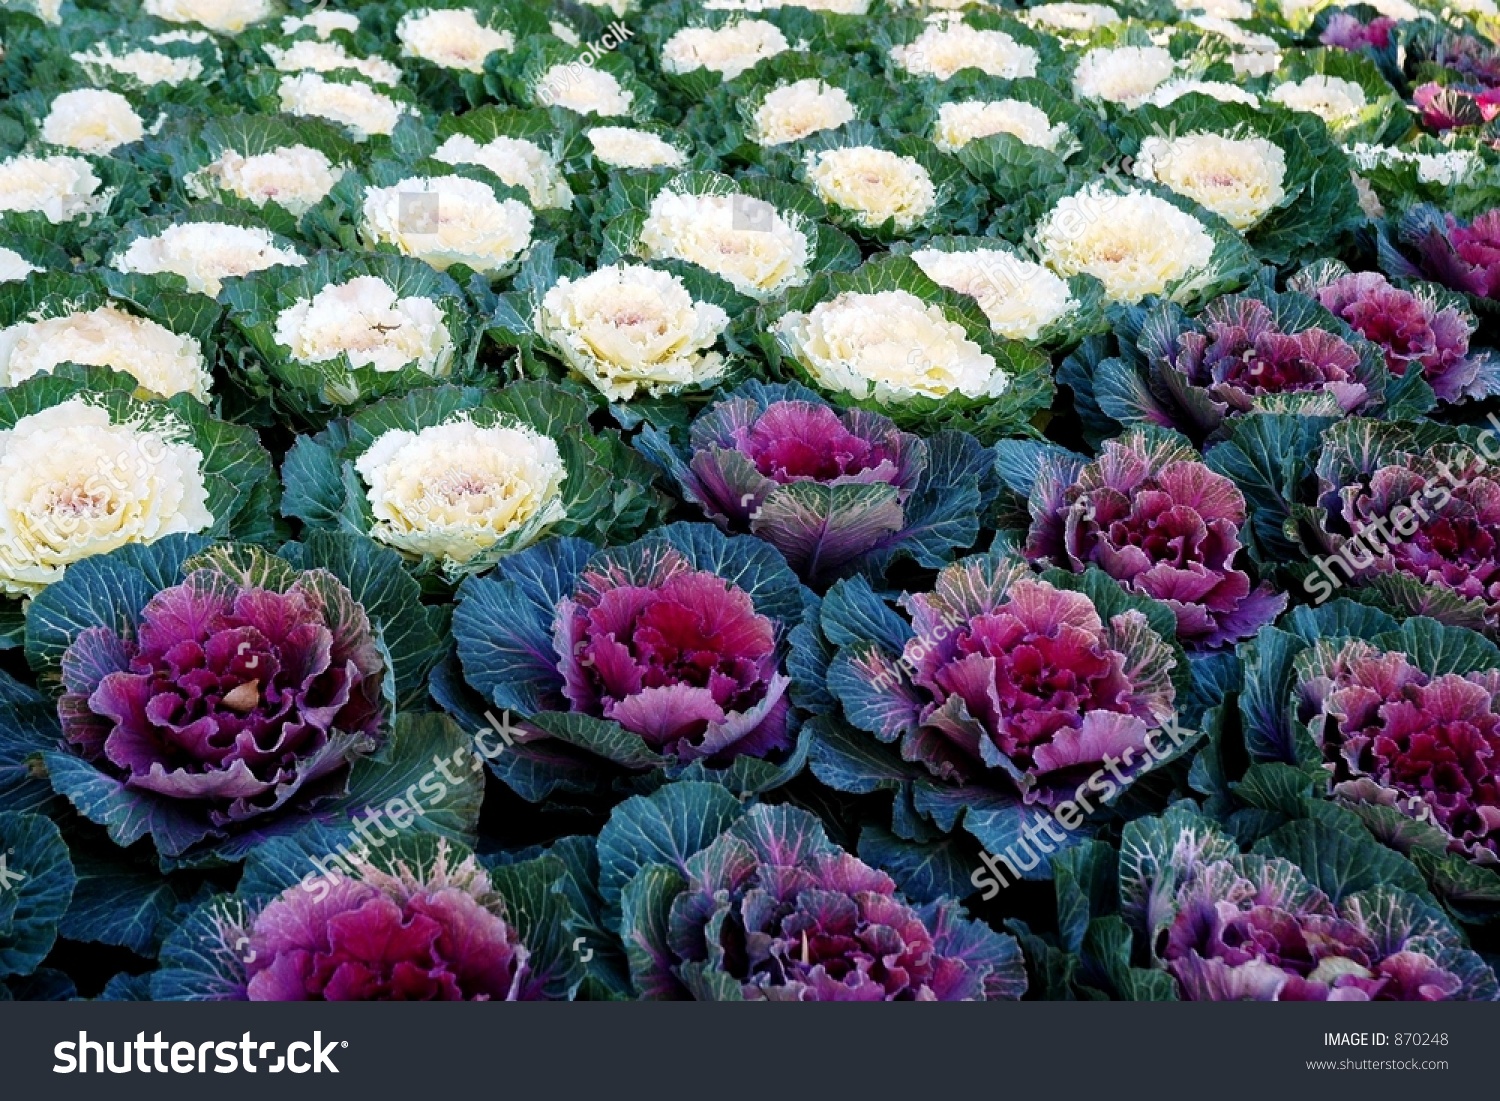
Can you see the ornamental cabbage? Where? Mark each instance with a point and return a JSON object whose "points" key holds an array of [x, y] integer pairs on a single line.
{"points": [[832, 492], [420, 918], [771, 910], [663, 654], [243, 691], [1227, 926], [1006, 688], [1151, 515]]}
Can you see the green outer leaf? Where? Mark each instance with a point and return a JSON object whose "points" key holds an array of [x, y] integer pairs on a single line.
{"points": [[646, 902], [27, 731], [665, 828], [543, 917], [606, 739], [923, 872], [31, 907], [418, 744], [415, 634], [1342, 859], [119, 903]]}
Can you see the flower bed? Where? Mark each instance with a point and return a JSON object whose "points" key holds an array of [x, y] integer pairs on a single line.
{"points": [[846, 500]]}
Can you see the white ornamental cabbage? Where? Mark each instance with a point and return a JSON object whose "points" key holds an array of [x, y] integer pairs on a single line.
{"points": [[452, 38], [454, 491], [1123, 74], [192, 38], [14, 266], [627, 328], [205, 254], [164, 363], [1067, 16], [942, 50], [838, 7], [1134, 243], [1446, 169], [1253, 63], [447, 220], [308, 55], [743, 240], [365, 320], [873, 184], [728, 50], [583, 89], [74, 485], [1400, 10], [323, 24], [1234, 33], [295, 177], [517, 161], [890, 346], [1333, 99], [92, 120], [624, 147], [145, 66], [790, 112], [1173, 90], [960, 123], [354, 105], [220, 16], [1239, 179], [1020, 298], [62, 188], [1217, 9]]}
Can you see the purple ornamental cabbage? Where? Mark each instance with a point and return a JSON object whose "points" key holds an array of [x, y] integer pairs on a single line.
{"points": [[676, 655], [1252, 928], [1345, 32], [1448, 107], [1011, 682], [1417, 517], [1413, 329], [666, 653], [413, 917], [773, 911], [1461, 257], [1241, 355], [1151, 515], [1463, 53], [832, 491], [231, 700], [1395, 736], [443, 935]]}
